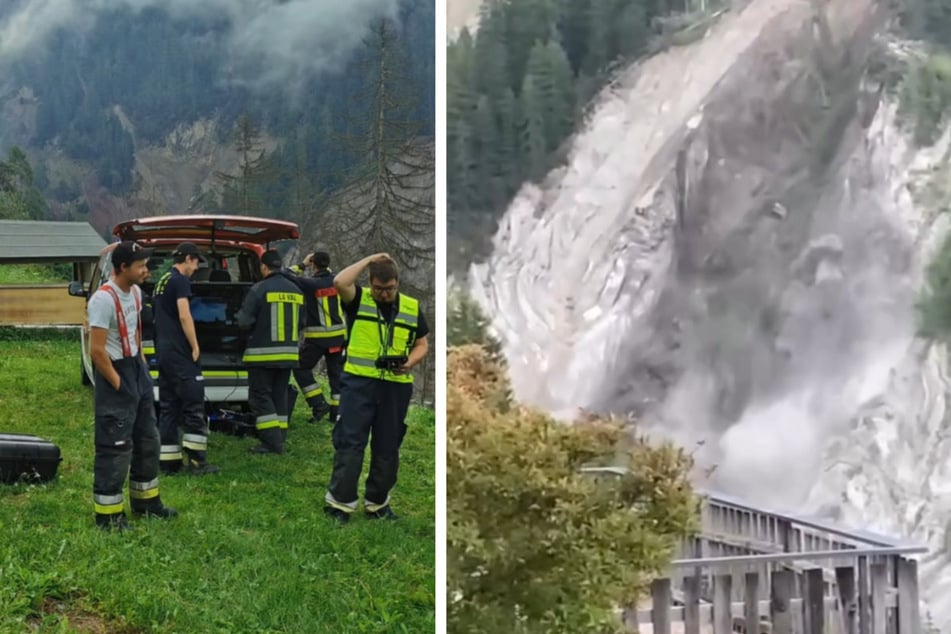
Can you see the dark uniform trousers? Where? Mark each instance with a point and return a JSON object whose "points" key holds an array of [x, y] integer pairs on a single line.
{"points": [[311, 353], [127, 440], [181, 406], [268, 400], [375, 410]]}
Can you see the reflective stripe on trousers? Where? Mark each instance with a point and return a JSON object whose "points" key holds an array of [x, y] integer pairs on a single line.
{"points": [[195, 442], [170, 453], [312, 390], [346, 507], [143, 490], [270, 421], [107, 504]]}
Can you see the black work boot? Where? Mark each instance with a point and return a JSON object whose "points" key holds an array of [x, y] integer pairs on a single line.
{"points": [[333, 414], [272, 442], [197, 463], [385, 513], [115, 522], [318, 411], [153, 509], [170, 467], [201, 468], [263, 449], [341, 517]]}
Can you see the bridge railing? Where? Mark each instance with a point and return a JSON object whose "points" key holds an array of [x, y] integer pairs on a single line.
{"points": [[755, 570], [732, 524], [874, 591]]}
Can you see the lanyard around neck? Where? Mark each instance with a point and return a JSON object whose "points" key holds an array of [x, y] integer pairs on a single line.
{"points": [[385, 326]]}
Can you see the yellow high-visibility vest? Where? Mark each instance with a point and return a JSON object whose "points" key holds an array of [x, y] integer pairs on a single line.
{"points": [[371, 337]]}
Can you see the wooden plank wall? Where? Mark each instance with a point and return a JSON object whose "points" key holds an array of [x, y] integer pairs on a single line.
{"points": [[40, 305]]}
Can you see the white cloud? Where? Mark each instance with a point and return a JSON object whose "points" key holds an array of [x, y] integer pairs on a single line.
{"points": [[274, 41]]}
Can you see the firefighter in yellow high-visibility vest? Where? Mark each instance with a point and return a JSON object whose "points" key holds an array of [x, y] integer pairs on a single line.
{"points": [[272, 311], [386, 339]]}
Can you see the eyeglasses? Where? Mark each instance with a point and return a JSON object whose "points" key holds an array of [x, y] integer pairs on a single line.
{"points": [[383, 289]]}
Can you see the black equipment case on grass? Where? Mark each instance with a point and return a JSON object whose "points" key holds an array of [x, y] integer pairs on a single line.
{"points": [[26, 458]]}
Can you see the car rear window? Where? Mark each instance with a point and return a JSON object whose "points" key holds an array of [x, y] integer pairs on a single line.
{"points": [[218, 266]]}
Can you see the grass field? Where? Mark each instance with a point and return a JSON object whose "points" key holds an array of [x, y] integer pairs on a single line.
{"points": [[250, 552]]}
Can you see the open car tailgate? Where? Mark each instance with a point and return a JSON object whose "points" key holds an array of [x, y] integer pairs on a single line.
{"points": [[203, 229]]}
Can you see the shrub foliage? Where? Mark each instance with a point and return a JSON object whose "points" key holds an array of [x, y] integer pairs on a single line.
{"points": [[534, 544]]}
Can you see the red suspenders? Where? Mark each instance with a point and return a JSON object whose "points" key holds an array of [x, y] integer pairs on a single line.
{"points": [[120, 318]]}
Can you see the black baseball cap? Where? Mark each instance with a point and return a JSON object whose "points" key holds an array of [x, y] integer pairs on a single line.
{"points": [[272, 259], [321, 259], [189, 248], [128, 252]]}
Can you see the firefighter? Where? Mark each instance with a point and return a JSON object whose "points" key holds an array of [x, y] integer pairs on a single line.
{"points": [[324, 337], [181, 384], [126, 434], [271, 314], [386, 340]]}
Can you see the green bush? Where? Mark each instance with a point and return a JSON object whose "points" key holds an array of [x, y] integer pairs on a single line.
{"points": [[533, 544], [36, 273]]}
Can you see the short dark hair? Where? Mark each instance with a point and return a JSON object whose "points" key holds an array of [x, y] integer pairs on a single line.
{"points": [[272, 260], [321, 259], [384, 270]]}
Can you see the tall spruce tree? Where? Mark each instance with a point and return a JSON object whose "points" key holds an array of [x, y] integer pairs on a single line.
{"points": [[244, 192], [387, 204]]}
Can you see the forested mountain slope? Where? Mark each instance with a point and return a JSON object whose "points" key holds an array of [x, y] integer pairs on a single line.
{"points": [[140, 107]]}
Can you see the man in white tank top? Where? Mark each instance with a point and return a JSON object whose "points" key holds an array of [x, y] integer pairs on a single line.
{"points": [[126, 436]]}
